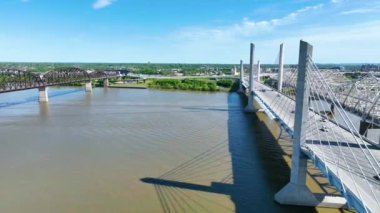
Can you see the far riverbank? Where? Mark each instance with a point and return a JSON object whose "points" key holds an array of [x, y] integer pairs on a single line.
{"points": [[191, 84]]}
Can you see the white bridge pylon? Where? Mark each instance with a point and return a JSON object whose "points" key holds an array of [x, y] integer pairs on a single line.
{"points": [[306, 107], [249, 107]]}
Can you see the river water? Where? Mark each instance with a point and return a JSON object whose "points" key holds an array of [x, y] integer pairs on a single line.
{"points": [[120, 150]]}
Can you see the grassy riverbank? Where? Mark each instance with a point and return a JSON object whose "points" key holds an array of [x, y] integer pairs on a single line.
{"points": [[193, 84], [95, 83]]}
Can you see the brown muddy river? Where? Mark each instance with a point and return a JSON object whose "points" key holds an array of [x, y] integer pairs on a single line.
{"points": [[120, 150]]}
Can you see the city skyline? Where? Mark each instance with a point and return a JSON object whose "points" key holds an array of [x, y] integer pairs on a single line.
{"points": [[127, 31]]}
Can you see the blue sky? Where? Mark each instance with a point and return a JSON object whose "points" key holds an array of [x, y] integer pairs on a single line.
{"points": [[187, 31]]}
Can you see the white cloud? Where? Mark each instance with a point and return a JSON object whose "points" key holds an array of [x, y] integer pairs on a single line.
{"points": [[356, 43], [102, 3], [336, 1], [360, 11], [246, 28], [333, 43]]}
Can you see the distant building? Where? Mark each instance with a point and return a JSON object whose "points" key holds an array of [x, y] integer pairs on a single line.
{"points": [[121, 71], [340, 68], [370, 67]]}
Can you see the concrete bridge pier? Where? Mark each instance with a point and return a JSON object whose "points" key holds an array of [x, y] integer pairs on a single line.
{"points": [[250, 107], [370, 130], [296, 191], [241, 86], [88, 87], [43, 96], [106, 82]]}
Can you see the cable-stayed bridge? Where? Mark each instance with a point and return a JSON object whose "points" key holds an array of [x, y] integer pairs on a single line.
{"points": [[324, 128], [332, 123]]}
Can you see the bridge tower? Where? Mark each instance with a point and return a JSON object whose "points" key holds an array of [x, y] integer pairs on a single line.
{"points": [[250, 107], [296, 191], [241, 86], [280, 68]]}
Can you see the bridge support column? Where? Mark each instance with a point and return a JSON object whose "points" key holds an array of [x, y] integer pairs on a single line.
{"points": [[43, 96], [249, 107], [258, 71], [106, 82], [296, 191], [280, 68], [369, 130], [241, 86], [88, 87]]}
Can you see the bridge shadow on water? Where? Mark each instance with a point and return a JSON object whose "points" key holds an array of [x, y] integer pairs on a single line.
{"points": [[249, 168]]}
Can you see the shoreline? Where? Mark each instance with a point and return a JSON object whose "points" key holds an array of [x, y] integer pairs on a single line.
{"points": [[128, 87]]}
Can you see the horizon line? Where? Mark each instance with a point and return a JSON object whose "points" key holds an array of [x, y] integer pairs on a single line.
{"points": [[199, 63]]}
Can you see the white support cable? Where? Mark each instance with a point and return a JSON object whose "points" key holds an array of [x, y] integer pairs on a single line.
{"points": [[277, 59], [340, 108], [366, 180], [324, 159], [316, 114], [292, 91], [275, 103], [291, 76], [336, 138], [371, 87], [350, 173], [318, 133], [347, 164], [354, 155], [293, 87], [284, 94], [282, 104], [275, 106], [326, 101], [346, 116], [290, 107], [290, 81], [286, 107]]}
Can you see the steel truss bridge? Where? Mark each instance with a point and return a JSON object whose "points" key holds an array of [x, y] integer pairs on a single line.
{"points": [[360, 96], [316, 111], [15, 79]]}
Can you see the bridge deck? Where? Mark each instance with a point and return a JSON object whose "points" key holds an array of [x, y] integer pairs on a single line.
{"points": [[343, 160]]}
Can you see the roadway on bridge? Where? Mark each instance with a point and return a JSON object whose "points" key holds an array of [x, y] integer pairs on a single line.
{"points": [[344, 159]]}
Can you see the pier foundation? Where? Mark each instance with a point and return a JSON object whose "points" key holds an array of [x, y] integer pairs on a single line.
{"points": [[88, 87], [106, 82], [43, 96]]}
